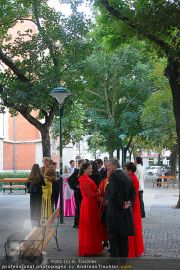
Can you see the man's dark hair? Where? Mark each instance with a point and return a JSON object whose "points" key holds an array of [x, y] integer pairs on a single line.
{"points": [[99, 161], [130, 166], [71, 161], [94, 167], [139, 160]]}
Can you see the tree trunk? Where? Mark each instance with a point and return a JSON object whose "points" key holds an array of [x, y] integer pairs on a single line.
{"points": [[125, 155], [159, 159], [110, 145], [118, 153], [110, 153], [173, 159], [173, 73], [45, 141]]}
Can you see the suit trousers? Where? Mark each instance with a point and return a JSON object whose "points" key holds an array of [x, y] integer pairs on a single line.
{"points": [[118, 245], [78, 198], [141, 203]]}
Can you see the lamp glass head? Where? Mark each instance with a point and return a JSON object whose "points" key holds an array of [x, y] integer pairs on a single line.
{"points": [[60, 93], [122, 137]]}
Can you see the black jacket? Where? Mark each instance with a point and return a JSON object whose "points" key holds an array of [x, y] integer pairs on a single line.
{"points": [[119, 190], [73, 180]]}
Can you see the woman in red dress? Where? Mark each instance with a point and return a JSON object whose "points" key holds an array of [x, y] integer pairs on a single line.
{"points": [[136, 243], [90, 228]]}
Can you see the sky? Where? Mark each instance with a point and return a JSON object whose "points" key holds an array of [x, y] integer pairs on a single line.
{"points": [[65, 8]]}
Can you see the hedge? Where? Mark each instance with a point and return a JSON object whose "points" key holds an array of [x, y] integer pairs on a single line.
{"points": [[13, 174]]}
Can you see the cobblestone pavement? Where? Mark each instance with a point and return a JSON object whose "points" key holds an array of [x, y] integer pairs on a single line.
{"points": [[161, 225]]}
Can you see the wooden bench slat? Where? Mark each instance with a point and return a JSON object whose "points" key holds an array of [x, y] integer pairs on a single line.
{"points": [[52, 218], [14, 186]]}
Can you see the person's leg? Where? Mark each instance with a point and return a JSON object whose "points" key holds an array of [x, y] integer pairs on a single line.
{"points": [[123, 246], [113, 240], [76, 210], [141, 203]]}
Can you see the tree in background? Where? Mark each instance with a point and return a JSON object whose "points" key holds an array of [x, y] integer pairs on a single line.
{"points": [[115, 86], [36, 63], [158, 22]]}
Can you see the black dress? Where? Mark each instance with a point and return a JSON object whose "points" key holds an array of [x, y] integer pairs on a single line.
{"points": [[36, 200]]}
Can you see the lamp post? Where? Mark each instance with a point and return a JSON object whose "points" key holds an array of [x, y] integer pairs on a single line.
{"points": [[122, 137], [60, 93]]}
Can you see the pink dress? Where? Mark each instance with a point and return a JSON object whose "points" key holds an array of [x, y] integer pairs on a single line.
{"points": [[69, 201]]}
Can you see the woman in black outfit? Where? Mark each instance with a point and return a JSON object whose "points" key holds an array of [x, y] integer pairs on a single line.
{"points": [[34, 185], [95, 174]]}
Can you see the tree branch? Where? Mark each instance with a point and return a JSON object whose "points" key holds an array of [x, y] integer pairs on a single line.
{"points": [[47, 41], [94, 93], [25, 113], [23, 19], [53, 109], [8, 62], [117, 14]]}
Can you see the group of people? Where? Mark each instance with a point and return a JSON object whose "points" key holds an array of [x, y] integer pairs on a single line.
{"points": [[109, 207], [109, 203], [43, 187]]}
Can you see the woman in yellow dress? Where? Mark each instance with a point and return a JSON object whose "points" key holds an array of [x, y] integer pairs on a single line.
{"points": [[49, 174]]}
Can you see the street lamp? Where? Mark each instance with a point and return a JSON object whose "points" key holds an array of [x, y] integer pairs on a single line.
{"points": [[122, 137], [60, 93]]}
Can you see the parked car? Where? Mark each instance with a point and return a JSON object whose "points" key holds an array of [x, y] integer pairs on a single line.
{"points": [[154, 170]]}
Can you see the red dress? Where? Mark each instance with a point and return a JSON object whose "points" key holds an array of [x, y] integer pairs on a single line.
{"points": [[136, 243], [90, 228]]}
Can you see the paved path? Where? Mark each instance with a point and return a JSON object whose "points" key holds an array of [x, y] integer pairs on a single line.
{"points": [[161, 225]]}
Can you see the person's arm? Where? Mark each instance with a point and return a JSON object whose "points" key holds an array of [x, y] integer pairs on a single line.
{"points": [[89, 190], [42, 181], [132, 193], [72, 180]]}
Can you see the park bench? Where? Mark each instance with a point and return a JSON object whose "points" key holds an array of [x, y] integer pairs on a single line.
{"points": [[36, 242], [13, 183], [168, 180]]}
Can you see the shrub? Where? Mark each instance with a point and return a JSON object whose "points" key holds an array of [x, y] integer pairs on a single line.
{"points": [[14, 174]]}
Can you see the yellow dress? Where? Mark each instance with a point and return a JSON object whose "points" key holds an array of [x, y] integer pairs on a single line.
{"points": [[49, 176], [46, 210]]}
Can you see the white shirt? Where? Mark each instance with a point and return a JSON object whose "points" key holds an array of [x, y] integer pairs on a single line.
{"points": [[140, 176], [71, 170]]}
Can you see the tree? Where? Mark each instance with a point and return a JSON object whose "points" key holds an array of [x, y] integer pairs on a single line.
{"points": [[73, 123], [35, 63], [116, 85], [159, 123], [146, 19], [97, 143]]}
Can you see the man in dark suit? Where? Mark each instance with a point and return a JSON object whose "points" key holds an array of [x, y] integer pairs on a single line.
{"points": [[74, 184], [120, 196], [102, 171]]}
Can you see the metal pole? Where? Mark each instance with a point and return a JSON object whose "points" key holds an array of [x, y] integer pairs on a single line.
{"points": [[61, 166]]}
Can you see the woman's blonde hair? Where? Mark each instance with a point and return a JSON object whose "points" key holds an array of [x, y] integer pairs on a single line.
{"points": [[35, 174]]}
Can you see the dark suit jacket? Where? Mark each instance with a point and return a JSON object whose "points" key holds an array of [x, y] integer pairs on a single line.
{"points": [[119, 190], [73, 179], [74, 184], [103, 173]]}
